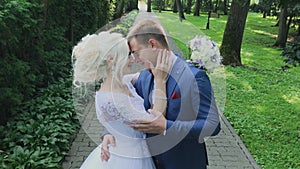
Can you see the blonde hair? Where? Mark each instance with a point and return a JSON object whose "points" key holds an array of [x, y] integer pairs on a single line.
{"points": [[147, 29], [91, 55]]}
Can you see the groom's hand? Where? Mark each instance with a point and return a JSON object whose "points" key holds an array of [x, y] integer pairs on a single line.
{"points": [[108, 139], [155, 126]]}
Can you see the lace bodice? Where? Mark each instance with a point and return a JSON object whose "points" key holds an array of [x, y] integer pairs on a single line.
{"points": [[114, 111]]}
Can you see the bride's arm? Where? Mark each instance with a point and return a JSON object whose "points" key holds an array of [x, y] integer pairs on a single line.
{"points": [[160, 98], [161, 73]]}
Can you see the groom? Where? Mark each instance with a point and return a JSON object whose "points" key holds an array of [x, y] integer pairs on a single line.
{"points": [[176, 140]]}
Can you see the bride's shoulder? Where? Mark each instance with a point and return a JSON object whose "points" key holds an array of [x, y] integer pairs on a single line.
{"points": [[107, 96]]}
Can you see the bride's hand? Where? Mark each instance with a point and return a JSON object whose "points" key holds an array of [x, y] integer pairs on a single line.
{"points": [[163, 65]]}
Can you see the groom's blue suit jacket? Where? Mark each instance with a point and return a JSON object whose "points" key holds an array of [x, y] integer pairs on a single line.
{"points": [[191, 115]]}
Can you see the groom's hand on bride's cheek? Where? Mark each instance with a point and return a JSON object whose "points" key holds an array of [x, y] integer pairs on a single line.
{"points": [[156, 125]]}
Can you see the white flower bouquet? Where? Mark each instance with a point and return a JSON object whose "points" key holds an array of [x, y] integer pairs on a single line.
{"points": [[205, 53]]}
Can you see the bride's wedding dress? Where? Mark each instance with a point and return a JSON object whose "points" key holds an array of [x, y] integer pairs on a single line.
{"points": [[131, 151]]}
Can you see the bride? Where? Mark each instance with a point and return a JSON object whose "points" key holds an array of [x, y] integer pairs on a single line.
{"points": [[106, 57]]}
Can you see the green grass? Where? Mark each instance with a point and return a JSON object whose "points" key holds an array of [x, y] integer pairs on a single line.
{"points": [[262, 101]]}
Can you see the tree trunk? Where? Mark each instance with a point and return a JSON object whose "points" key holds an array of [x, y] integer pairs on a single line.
{"points": [[264, 14], [282, 29], [216, 6], [208, 18], [160, 5], [233, 34], [119, 10], [197, 8], [131, 5], [180, 10], [298, 29], [225, 7], [289, 24], [175, 9], [209, 13], [188, 6], [149, 6]]}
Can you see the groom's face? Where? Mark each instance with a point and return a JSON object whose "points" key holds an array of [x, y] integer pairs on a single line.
{"points": [[144, 55]]}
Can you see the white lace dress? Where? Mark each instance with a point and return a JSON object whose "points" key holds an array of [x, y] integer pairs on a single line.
{"points": [[131, 151]]}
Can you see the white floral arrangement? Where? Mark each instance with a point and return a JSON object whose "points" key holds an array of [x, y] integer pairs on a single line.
{"points": [[205, 53]]}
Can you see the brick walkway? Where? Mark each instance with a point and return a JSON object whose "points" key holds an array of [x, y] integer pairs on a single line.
{"points": [[224, 151]]}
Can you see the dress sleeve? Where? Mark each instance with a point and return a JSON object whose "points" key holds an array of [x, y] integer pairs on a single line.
{"points": [[120, 107]]}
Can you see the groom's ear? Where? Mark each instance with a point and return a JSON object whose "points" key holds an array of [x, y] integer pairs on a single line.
{"points": [[154, 43]]}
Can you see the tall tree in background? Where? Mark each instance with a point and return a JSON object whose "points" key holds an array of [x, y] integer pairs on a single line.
{"points": [[210, 8], [175, 8], [188, 8], [148, 5], [234, 31], [286, 6], [197, 7], [131, 5], [216, 6], [160, 6], [119, 9], [180, 10], [282, 29], [225, 7], [266, 7]]}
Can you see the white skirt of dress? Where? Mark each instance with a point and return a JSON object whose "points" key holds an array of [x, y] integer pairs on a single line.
{"points": [[93, 161]]}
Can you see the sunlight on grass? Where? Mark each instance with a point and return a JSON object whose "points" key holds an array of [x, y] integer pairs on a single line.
{"points": [[247, 86], [265, 33], [293, 99], [172, 24]]}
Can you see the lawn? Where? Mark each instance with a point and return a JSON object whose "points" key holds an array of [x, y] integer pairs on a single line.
{"points": [[262, 101]]}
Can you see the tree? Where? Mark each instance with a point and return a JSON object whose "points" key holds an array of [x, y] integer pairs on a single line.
{"points": [[119, 9], [160, 5], [210, 6], [286, 8], [188, 7], [197, 7], [216, 6], [131, 5], [175, 9], [149, 6], [265, 6], [178, 8], [225, 7], [233, 34]]}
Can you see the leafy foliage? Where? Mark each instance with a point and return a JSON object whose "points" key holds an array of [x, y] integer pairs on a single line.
{"points": [[39, 137], [291, 54], [35, 44], [39, 133]]}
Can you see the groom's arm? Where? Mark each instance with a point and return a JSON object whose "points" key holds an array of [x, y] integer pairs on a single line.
{"points": [[207, 122], [204, 117]]}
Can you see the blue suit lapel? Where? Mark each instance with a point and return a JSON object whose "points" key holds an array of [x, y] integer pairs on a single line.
{"points": [[175, 75], [148, 87]]}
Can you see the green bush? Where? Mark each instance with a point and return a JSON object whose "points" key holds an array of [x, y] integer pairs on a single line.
{"points": [[36, 40], [291, 54], [40, 135]]}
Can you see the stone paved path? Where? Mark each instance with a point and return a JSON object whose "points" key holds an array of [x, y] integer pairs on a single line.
{"points": [[224, 151]]}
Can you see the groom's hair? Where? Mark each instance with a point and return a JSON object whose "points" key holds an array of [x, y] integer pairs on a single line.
{"points": [[148, 29]]}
